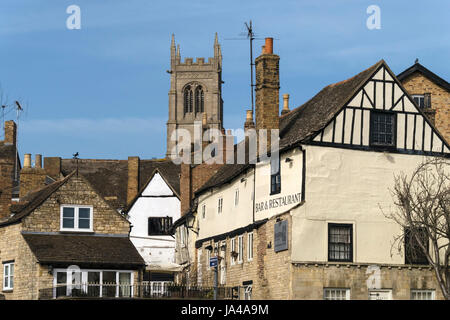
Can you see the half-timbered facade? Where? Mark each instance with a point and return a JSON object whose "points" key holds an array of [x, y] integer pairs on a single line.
{"points": [[310, 225]]}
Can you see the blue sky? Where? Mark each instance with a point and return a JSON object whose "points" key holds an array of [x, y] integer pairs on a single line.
{"points": [[102, 90]]}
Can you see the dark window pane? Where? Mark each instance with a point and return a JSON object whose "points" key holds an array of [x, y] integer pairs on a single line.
{"points": [[109, 284], [340, 242], [159, 225], [382, 128], [84, 213], [68, 218], [84, 224]]}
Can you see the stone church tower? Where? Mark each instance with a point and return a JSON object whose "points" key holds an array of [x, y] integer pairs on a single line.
{"points": [[195, 93]]}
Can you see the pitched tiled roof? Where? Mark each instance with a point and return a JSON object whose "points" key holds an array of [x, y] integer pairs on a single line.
{"points": [[417, 67], [32, 200], [114, 251], [110, 177], [303, 122]]}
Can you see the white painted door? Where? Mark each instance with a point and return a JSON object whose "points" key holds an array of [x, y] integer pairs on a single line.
{"points": [[380, 294]]}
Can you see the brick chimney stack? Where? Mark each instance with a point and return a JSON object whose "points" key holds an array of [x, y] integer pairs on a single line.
{"points": [[31, 178], [8, 163], [267, 90], [52, 166], [133, 178], [249, 124]]}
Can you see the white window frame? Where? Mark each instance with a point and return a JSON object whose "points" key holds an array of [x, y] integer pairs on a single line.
{"points": [[7, 277], [84, 277], [233, 249], [250, 246], [421, 293], [240, 249], [220, 205], [236, 197], [204, 211], [420, 96], [332, 293], [76, 217], [248, 290]]}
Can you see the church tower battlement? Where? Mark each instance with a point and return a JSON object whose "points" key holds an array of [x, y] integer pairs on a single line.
{"points": [[195, 90]]}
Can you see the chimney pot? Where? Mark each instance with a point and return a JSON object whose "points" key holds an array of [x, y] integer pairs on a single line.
{"points": [[268, 47], [27, 160], [38, 161], [204, 119], [285, 104]]}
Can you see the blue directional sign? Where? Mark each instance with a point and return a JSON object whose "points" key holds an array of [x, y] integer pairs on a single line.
{"points": [[213, 262]]}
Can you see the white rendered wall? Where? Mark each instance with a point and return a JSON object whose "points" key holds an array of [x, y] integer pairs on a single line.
{"points": [[157, 251]]}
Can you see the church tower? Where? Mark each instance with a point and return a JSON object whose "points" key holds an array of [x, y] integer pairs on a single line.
{"points": [[195, 92]]}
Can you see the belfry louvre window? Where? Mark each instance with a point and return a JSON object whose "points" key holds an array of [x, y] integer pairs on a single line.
{"points": [[275, 175], [188, 99], [413, 252], [199, 100], [340, 242], [159, 226], [382, 129]]}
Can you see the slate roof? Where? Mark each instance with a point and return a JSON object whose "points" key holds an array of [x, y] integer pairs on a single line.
{"points": [[110, 177], [82, 250], [303, 122], [417, 67]]}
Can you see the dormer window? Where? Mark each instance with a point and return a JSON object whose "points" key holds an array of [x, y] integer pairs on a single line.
{"points": [[76, 218]]}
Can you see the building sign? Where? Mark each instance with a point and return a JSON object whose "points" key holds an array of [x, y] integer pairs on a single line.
{"points": [[213, 262], [278, 202], [281, 236]]}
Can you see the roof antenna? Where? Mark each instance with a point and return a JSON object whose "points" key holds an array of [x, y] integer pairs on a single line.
{"points": [[18, 109], [250, 35]]}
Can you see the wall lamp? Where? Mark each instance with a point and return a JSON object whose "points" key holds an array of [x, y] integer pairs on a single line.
{"points": [[243, 180], [288, 160]]}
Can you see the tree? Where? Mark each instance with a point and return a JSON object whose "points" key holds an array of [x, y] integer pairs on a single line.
{"points": [[422, 209]]}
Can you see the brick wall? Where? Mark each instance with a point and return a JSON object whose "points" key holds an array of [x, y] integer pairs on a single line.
{"points": [[440, 100]]}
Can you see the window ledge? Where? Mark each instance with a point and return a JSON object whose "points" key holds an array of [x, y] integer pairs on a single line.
{"points": [[76, 231], [7, 290]]}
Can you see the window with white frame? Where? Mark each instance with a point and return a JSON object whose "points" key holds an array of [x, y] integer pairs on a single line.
{"points": [[8, 276], [204, 211], [336, 294], [219, 205], [423, 295], [240, 249], [76, 218], [419, 99], [250, 246], [93, 283], [236, 197], [233, 251]]}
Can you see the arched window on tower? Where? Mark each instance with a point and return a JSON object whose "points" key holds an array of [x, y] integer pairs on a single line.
{"points": [[188, 99], [199, 100]]}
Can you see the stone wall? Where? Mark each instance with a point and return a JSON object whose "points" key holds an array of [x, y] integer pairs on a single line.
{"points": [[309, 280], [46, 218], [26, 269], [269, 271], [440, 100]]}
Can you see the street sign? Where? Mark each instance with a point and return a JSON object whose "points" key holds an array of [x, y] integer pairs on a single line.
{"points": [[213, 262]]}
